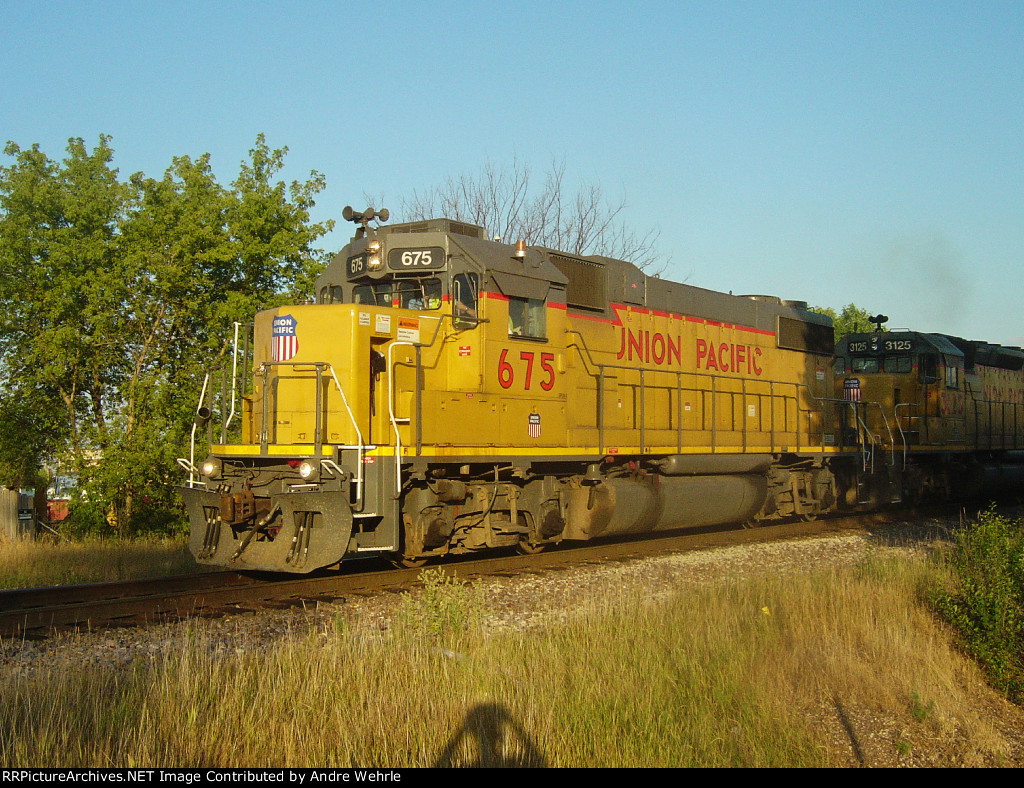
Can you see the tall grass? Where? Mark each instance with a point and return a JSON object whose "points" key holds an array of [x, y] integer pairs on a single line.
{"points": [[31, 564], [752, 671]]}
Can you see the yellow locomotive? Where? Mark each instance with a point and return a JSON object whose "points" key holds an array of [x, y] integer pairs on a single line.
{"points": [[449, 393], [931, 415]]}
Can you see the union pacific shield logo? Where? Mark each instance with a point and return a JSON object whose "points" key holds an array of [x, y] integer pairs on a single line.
{"points": [[283, 342]]}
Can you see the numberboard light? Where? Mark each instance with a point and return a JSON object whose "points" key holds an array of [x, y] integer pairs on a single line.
{"points": [[374, 261]]}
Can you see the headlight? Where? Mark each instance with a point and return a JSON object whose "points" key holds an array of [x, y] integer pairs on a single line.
{"points": [[212, 467], [309, 470]]}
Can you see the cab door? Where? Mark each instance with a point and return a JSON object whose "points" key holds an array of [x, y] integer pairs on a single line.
{"points": [[928, 377], [953, 400]]}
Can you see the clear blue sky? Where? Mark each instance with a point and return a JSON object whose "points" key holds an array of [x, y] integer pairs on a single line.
{"points": [[835, 152]]}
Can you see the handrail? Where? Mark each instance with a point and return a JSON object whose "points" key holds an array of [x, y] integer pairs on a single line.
{"points": [[391, 414], [1003, 431], [885, 421], [392, 418], [863, 429], [192, 435], [976, 400], [599, 376], [899, 426], [234, 372], [359, 437], [205, 391], [867, 431], [320, 366], [871, 441]]}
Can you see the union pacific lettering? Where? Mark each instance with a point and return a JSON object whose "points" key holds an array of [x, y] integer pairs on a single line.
{"points": [[663, 349], [649, 346], [666, 349], [728, 357]]}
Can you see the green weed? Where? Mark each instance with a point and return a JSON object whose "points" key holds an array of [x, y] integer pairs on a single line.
{"points": [[984, 599], [919, 710], [443, 610]]}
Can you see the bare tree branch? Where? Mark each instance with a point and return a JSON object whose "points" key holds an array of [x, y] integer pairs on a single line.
{"points": [[501, 200]]}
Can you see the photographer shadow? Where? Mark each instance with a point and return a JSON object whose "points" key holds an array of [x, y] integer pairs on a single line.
{"points": [[489, 737]]}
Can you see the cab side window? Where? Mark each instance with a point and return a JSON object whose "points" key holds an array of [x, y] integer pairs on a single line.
{"points": [[376, 294], [526, 318], [464, 295], [332, 294], [868, 364], [952, 376], [898, 365], [928, 368]]}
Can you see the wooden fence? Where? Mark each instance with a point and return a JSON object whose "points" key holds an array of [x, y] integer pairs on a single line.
{"points": [[17, 516]]}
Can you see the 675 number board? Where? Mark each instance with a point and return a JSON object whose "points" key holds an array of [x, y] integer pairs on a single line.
{"points": [[430, 258]]}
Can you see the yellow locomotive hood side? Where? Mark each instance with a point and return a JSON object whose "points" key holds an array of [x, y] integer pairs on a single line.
{"points": [[309, 353]]}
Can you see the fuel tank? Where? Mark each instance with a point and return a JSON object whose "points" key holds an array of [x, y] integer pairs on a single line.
{"points": [[660, 503], [991, 478]]}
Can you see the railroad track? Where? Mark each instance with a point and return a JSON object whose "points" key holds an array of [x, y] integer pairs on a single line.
{"points": [[41, 612]]}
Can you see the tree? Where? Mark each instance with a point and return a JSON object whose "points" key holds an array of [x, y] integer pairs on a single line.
{"points": [[59, 281], [27, 437], [113, 296], [851, 320], [507, 204]]}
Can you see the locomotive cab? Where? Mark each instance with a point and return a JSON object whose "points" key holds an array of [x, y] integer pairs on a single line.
{"points": [[419, 266]]}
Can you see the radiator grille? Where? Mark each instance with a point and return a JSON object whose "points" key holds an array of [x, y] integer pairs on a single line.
{"points": [[587, 287], [808, 337]]}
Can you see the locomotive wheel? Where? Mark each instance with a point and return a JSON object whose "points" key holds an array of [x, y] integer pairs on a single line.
{"points": [[525, 548], [409, 561]]}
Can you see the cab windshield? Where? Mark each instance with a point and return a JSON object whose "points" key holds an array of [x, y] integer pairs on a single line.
{"points": [[377, 293], [892, 364], [402, 293]]}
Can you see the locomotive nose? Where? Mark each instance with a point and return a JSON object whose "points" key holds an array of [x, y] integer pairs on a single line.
{"points": [[296, 533]]}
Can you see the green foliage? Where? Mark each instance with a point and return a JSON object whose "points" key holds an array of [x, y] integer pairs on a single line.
{"points": [[27, 435], [985, 603], [444, 609], [115, 294], [851, 320], [85, 519], [920, 710]]}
